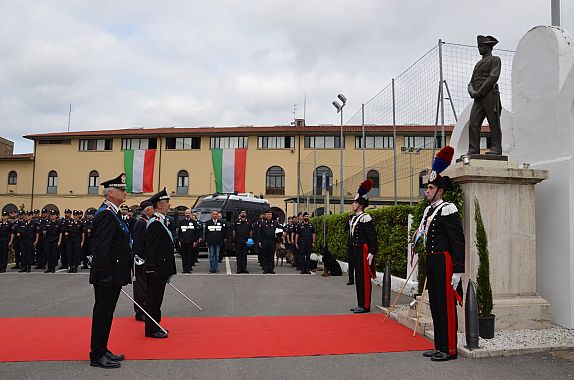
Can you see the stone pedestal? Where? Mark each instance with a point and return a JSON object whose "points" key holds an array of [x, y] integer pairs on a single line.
{"points": [[507, 204]]}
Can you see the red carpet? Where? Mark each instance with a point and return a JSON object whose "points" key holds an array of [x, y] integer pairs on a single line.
{"points": [[39, 339]]}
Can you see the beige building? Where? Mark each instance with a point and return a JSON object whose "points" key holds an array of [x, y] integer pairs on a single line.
{"points": [[66, 168]]}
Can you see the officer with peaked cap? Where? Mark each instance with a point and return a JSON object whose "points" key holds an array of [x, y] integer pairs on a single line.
{"points": [[138, 253], [483, 88], [444, 250], [64, 254], [159, 261], [52, 240], [363, 245], [110, 249]]}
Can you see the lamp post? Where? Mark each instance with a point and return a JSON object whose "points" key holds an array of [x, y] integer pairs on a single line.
{"points": [[339, 108], [410, 151]]}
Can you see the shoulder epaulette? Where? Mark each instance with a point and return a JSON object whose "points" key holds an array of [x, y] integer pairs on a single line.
{"points": [[365, 218], [448, 209]]}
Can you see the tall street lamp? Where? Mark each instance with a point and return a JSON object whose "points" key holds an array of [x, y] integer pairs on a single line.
{"points": [[339, 108]]}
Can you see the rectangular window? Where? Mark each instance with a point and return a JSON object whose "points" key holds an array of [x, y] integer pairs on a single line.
{"points": [[54, 142], [96, 144], [137, 144], [424, 142], [374, 142], [275, 142], [228, 142], [183, 143], [323, 142]]}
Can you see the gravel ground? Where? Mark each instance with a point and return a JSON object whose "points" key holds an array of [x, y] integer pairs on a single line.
{"points": [[511, 339]]}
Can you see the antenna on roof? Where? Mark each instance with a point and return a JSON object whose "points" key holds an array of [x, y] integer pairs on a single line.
{"points": [[69, 116]]}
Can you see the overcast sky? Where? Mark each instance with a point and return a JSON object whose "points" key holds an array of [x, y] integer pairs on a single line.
{"points": [[141, 63]]}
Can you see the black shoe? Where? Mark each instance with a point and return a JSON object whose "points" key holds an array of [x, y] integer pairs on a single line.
{"points": [[157, 334], [48, 271], [353, 309], [361, 310], [350, 282], [442, 357], [115, 358], [431, 353], [140, 318], [104, 362]]}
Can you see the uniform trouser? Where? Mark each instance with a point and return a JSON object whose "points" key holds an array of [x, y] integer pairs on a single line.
{"points": [[140, 290], [259, 252], [40, 255], [363, 276], [186, 256], [51, 249], [351, 270], [64, 253], [17, 251], [74, 249], [297, 257], [102, 316], [268, 254], [488, 106], [27, 247], [442, 301], [241, 254], [194, 254], [154, 299], [305, 248], [3, 254], [86, 252]]}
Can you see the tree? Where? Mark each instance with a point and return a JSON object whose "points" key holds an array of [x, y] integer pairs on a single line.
{"points": [[483, 288]]}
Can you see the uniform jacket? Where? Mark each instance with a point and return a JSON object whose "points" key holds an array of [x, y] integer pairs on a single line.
{"points": [[242, 229], [267, 230], [52, 231], [159, 249], [110, 248], [362, 231], [215, 232], [445, 233], [188, 231]]}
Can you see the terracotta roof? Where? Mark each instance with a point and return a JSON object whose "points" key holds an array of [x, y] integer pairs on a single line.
{"points": [[246, 130], [24, 156]]}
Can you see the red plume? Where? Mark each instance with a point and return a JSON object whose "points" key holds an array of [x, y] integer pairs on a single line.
{"points": [[365, 187]]}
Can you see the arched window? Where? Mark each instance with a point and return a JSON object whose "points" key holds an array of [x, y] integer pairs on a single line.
{"points": [[373, 175], [93, 182], [52, 182], [275, 181], [318, 182], [182, 182], [12, 178]]}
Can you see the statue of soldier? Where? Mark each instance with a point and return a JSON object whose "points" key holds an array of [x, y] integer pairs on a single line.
{"points": [[483, 88]]}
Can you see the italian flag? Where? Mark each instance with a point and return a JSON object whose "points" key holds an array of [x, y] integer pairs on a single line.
{"points": [[138, 166], [229, 168]]}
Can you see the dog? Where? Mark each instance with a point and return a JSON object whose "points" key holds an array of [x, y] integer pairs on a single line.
{"points": [[331, 266], [280, 253]]}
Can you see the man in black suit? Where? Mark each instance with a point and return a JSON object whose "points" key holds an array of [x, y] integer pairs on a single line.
{"points": [[138, 252], [214, 237], [159, 261], [110, 248]]}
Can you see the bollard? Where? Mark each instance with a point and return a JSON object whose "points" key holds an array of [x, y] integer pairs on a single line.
{"points": [[387, 286], [471, 317]]}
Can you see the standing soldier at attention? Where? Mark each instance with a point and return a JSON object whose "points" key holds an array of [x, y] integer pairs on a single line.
{"points": [[29, 234], [241, 232], [41, 220], [16, 240], [73, 233], [5, 240], [52, 241], [215, 239], [159, 261], [267, 240], [304, 242], [64, 248], [255, 236], [88, 230], [110, 249], [444, 250], [187, 236], [363, 247], [138, 253]]}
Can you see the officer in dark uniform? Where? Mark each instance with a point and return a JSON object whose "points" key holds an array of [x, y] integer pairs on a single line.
{"points": [[110, 249], [197, 239], [444, 249], [29, 236], [127, 216], [39, 258], [5, 240], [242, 231], [483, 88], [159, 261], [255, 236], [351, 263], [267, 240], [364, 248], [297, 251], [16, 243], [188, 235], [138, 253], [52, 233], [73, 235], [64, 262], [87, 230], [305, 241]]}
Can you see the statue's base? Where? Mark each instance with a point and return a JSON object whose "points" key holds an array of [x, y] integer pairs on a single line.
{"points": [[485, 157]]}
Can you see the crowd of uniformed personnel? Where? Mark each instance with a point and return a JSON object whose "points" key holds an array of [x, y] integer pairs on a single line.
{"points": [[46, 240]]}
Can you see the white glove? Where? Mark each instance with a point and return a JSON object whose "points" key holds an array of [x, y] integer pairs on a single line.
{"points": [[455, 280], [370, 258]]}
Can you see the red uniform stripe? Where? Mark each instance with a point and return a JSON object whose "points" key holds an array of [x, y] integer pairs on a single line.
{"points": [[450, 305], [366, 277]]}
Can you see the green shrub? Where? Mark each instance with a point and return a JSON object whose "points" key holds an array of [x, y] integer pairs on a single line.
{"points": [[483, 288]]}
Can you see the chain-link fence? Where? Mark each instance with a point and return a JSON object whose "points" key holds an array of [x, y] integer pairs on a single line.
{"points": [[424, 103]]}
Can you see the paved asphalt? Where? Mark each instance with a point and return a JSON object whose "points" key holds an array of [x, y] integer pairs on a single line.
{"points": [[227, 294]]}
